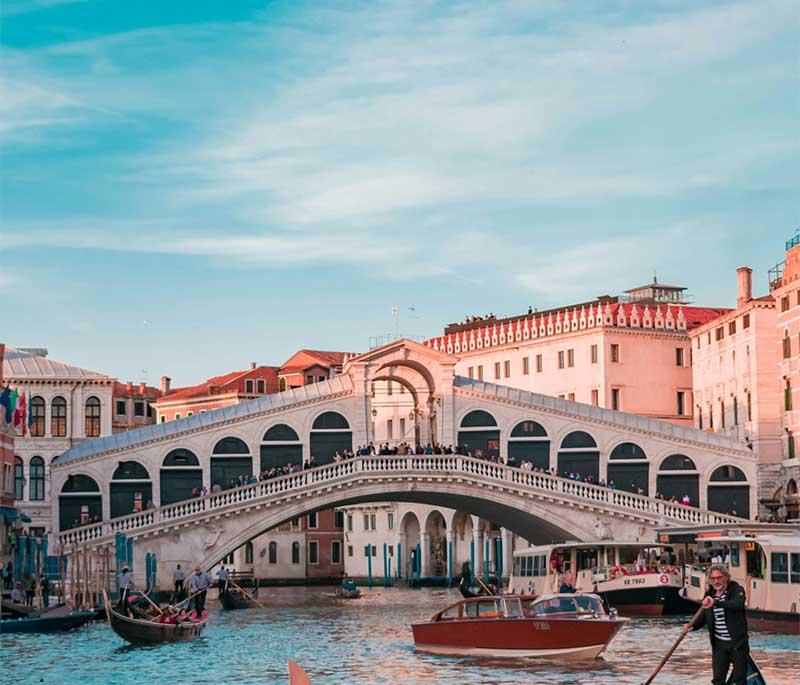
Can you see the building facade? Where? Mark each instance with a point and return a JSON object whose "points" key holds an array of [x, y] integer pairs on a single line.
{"points": [[133, 406], [8, 512]]}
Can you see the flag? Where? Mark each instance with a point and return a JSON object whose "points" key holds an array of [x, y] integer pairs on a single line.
{"points": [[5, 404], [20, 415], [30, 415], [11, 413]]}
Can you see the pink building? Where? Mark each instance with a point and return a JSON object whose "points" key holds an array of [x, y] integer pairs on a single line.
{"points": [[629, 353], [785, 289], [736, 379], [7, 511]]}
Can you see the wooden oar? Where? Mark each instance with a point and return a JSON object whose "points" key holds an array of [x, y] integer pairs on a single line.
{"points": [[153, 604], [683, 634], [484, 586], [192, 596], [245, 593]]}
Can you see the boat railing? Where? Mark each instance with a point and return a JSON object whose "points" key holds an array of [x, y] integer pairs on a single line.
{"points": [[380, 466]]}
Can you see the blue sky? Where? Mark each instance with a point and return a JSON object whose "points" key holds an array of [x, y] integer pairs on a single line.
{"points": [[191, 186]]}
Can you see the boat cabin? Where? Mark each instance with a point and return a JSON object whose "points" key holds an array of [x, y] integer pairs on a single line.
{"points": [[523, 606]]}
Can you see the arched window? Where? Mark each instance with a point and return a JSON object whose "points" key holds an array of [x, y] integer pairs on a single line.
{"points": [[579, 455], [628, 468], [282, 384], [37, 479], [675, 480], [787, 345], [37, 417], [130, 470], [19, 479], [578, 439], [181, 457], [330, 420], [478, 431], [295, 552], [92, 417], [230, 463], [330, 434], [231, 446], [273, 552], [130, 489], [80, 502], [528, 442], [727, 474], [181, 476], [677, 462], [791, 488], [478, 419], [729, 492], [627, 450], [529, 429], [282, 447], [58, 417], [280, 432], [248, 553]]}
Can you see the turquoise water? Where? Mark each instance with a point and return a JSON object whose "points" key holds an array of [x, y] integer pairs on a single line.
{"points": [[364, 641]]}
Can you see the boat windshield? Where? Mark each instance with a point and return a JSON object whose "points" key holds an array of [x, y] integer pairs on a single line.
{"points": [[567, 604]]}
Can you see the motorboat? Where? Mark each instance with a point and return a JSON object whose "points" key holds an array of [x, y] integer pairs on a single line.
{"points": [[763, 558], [636, 578], [573, 626]]}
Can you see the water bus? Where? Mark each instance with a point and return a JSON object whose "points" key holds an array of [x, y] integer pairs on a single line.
{"points": [[762, 558], [636, 578], [573, 626]]}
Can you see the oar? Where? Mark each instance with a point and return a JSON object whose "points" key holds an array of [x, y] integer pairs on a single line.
{"points": [[484, 586], [153, 604], [192, 596], [246, 593], [683, 634]]}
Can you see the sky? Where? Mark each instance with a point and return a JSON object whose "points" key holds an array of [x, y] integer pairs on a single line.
{"points": [[186, 187]]}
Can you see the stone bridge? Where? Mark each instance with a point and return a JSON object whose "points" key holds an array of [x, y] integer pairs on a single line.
{"points": [[536, 506]]}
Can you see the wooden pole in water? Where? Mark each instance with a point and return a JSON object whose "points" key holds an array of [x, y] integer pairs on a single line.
{"points": [[683, 634], [246, 593]]}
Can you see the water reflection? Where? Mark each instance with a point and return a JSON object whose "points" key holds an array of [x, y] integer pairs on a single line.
{"points": [[366, 641]]}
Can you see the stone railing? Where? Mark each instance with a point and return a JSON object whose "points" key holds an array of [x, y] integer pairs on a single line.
{"points": [[360, 468]]}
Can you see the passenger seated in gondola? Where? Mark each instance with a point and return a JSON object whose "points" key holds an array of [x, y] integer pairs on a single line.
{"points": [[349, 585]]}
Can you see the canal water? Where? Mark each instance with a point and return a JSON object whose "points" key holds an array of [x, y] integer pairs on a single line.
{"points": [[357, 641]]}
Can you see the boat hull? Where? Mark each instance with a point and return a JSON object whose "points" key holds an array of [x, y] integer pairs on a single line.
{"points": [[231, 601], [517, 637], [139, 632], [774, 621], [647, 601], [46, 624]]}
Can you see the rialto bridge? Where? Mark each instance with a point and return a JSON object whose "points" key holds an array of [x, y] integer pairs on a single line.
{"points": [[98, 483]]}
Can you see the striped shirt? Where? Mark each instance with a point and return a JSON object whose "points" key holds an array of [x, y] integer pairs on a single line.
{"points": [[720, 626]]}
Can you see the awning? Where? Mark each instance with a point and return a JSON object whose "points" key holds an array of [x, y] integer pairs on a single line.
{"points": [[10, 514]]}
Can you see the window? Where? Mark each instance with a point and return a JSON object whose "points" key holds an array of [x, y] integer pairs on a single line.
{"points": [[389, 388], [248, 553], [177, 415], [593, 354], [719, 333], [37, 479], [273, 552], [248, 385], [681, 403], [570, 357], [58, 418], [732, 327], [92, 426], [309, 379], [746, 321], [711, 416], [402, 425], [349, 550], [749, 407], [138, 408], [795, 567], [480, 373], [312, 519], [678, 356], [366, 521], [295, 523], [595, 397], [313, 552], [37, 410], [787, 345], [390, 521], [790, 444], [735, 554], [615, 399], [615, 353], [699, 410], [785, 303], [261, 386], [349, 523], [295, 552], [779, 567], [389, 429], [120, 408], [571, 396], [322, 378], [471, 371], [336, 552], [538, 363], [506, 368], [561, 359], [735, 411], [526, 366], [497, 369], [722, 413], [228, 559], [338, 519], [787, 396], [162, 418], [19, 479]]}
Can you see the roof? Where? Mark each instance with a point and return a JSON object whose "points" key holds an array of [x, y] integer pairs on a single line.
{"points": [[221, 384], [22, 366], [138, 389], [242, 410], [303, 359]]}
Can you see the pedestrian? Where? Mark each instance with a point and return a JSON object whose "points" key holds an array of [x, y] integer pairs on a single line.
{"points": [[44, 582], [179, 579], [8, 576], [726, 621], [29, 583], [124, 585], [222, 582], [199, 582]]}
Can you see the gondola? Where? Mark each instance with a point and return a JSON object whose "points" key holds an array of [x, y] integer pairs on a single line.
{"points": [[754, 675], [233, 599], [138, 631], [46, 624]]}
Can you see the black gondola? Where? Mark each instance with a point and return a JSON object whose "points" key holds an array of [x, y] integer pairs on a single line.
{"points": [[234, 598]]}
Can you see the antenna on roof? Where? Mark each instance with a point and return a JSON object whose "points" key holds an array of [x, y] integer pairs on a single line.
{"points": [[655, 276]]}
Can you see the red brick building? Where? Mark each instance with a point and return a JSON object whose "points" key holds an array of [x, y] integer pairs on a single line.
{"points": [[309, 366], [132, 406]]}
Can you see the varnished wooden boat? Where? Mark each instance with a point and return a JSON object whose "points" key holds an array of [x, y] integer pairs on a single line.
{"points": [[233, 599], [138, 632], [46, 624]]}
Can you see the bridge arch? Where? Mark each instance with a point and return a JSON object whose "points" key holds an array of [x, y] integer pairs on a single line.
{"points": [[421, 369], [180, 475], [678, 476], [579, 453], [280, 445], [528, 441], [230, 460], [130, 489], [728, 491], [330, 433], [79, 502], [478, 430], [629, 467]]}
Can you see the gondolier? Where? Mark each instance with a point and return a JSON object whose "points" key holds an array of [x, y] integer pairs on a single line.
{"points": [[179, 578], [199, 583], [125, 585], [725, 618], [223, 576]]}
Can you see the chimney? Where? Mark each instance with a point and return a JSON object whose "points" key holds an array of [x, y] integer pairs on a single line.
{"points": [[744, 278], [165, 385], [142, 388], [129, 387], [253, 365]]}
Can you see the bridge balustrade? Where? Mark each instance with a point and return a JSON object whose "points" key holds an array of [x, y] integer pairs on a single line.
{"points": [[527, 481]]}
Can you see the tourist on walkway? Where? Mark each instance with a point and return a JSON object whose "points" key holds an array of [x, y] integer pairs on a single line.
{"points": [[726, 621], [179, 578], [199, 583], [125, 585], [29, 583]]}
